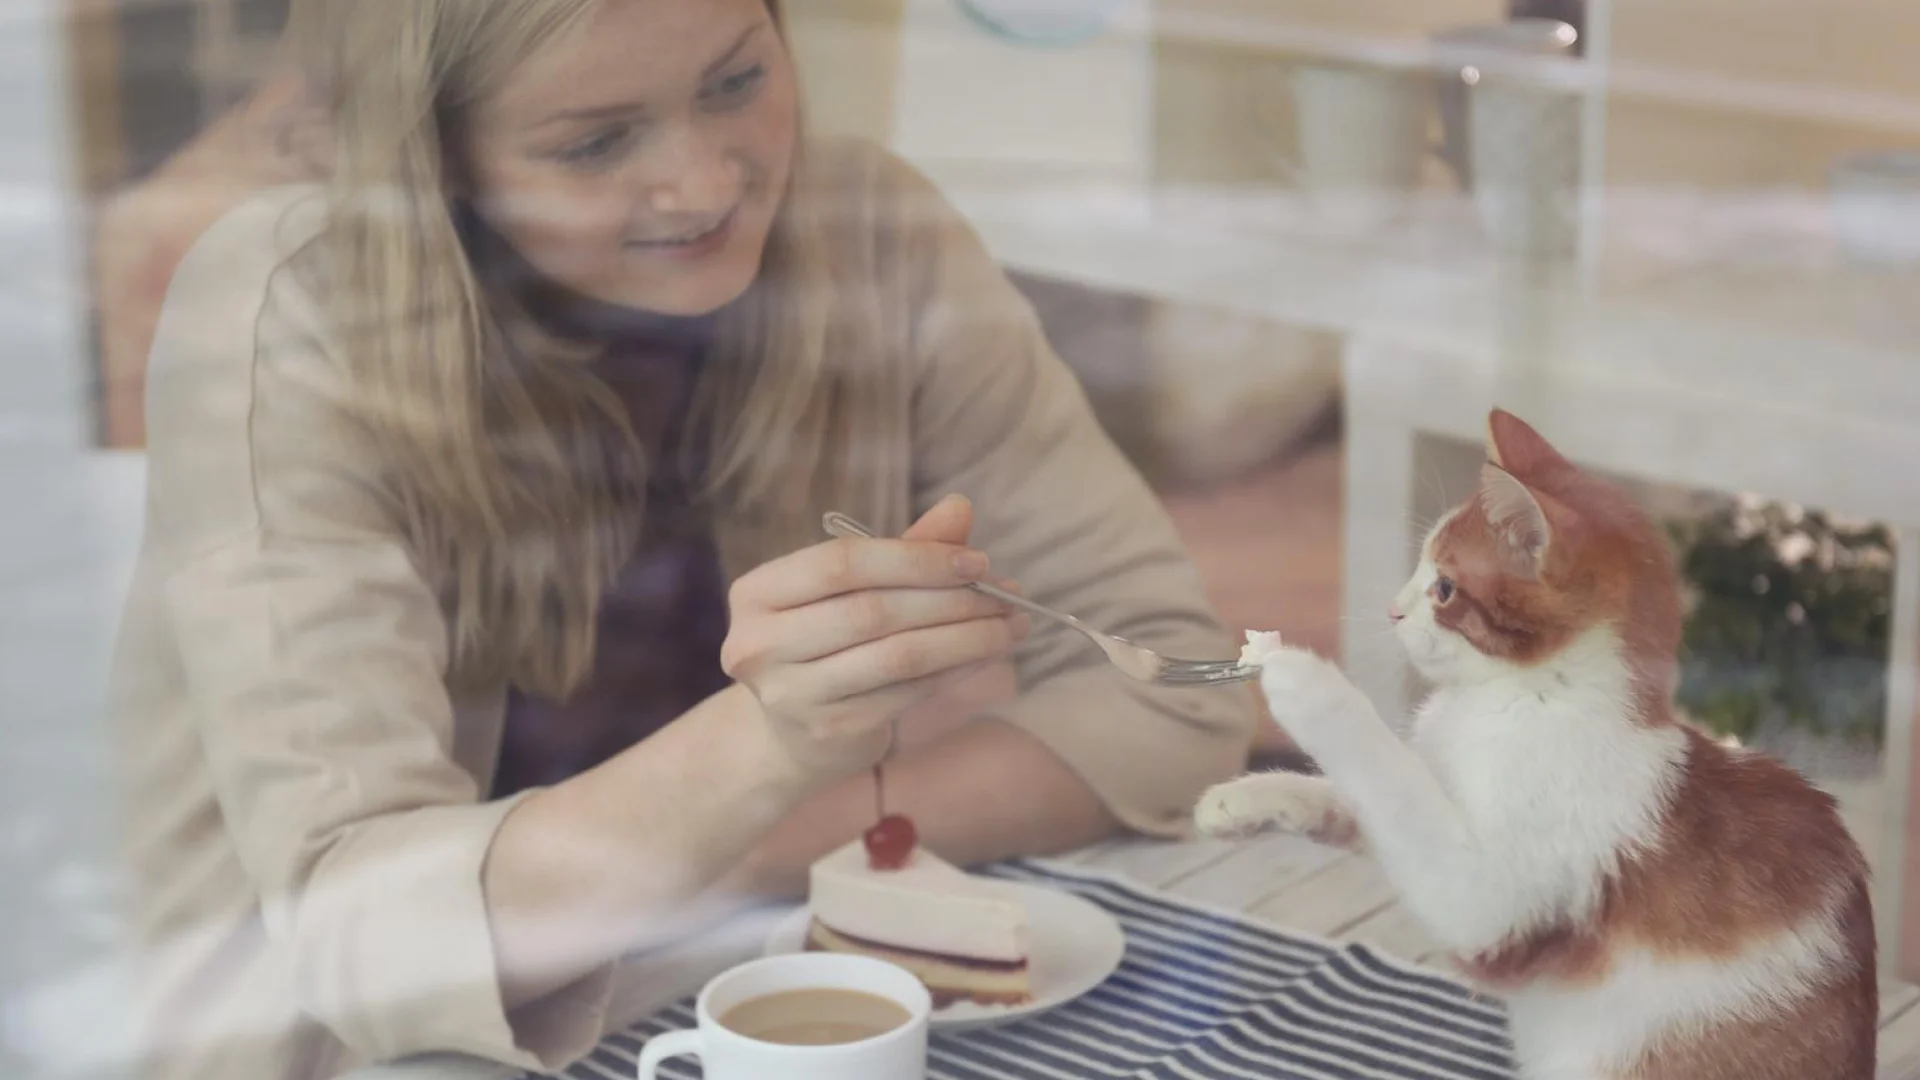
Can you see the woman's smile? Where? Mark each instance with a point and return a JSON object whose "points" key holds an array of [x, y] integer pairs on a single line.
{"points": [[699, 242]]}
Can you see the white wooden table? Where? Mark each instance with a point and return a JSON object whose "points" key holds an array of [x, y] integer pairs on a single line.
{"points": [[1309, 889], [1297, 885]]}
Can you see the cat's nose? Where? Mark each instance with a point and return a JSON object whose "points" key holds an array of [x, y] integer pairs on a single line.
{"points": [[1393, 613]]}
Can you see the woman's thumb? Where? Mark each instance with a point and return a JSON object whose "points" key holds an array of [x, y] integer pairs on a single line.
{"points": [[949, 521]]}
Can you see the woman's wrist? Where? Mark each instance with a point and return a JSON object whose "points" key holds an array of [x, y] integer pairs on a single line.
{"points": [[764, 761], [635, 851]]}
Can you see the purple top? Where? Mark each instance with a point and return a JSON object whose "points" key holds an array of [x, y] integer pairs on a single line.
{"points": [[662, 622]]}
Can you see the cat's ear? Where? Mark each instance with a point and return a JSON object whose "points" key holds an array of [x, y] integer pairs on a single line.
{"points": [[1517, 518], [1514, 446]]}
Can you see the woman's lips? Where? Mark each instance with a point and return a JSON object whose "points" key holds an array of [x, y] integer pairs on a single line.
{"points": [[693, 247]]}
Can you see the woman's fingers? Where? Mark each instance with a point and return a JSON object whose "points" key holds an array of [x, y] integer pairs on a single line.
{"points": [[948, 521], [837, 639], [837, 567], [798, 635], [896, 660]]}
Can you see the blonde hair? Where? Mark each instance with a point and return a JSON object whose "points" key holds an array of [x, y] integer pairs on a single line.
{"points": [[520, 483]]}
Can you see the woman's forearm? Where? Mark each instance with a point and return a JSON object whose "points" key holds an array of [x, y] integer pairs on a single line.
{"points": [[627, 853], [982, 792], [705, 818]]}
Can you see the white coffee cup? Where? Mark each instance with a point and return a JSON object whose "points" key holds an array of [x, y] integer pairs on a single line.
{"points": [[1362, 139], [1526, 167], [898, 1054], [1513, 130], [1461, 52]]}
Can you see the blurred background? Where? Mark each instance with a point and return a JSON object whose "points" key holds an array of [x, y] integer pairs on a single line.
{"points": [[1294, 248]]}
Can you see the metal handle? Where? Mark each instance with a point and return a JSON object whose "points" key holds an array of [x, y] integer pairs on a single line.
{"points": [[839, 524]]}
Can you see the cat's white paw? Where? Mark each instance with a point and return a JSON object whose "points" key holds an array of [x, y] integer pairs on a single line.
{"points": [[1301, 687], [1232, 811], [1285, 802]]}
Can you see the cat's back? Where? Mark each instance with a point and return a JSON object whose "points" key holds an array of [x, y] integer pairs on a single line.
{"points": [[1737, 941], [1745, 844]]}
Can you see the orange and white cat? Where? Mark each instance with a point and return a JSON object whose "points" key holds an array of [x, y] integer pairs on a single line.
{"points": [[1650, 904]]}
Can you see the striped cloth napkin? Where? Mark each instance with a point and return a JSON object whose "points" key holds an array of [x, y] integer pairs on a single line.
{"points": [[1202, 995]]}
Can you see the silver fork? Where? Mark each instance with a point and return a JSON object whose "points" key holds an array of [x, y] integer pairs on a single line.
{"points": [[1137, 661]]}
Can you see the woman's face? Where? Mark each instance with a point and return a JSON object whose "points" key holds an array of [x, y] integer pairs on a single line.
{"points": [[640, 157]]}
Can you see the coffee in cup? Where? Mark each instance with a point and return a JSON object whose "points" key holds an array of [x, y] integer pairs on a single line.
{"points": [[805, 1016], [815, 1017]]}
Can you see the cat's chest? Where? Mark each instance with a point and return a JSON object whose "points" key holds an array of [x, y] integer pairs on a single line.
{"points": [[1498, 753], [1562, 777]]}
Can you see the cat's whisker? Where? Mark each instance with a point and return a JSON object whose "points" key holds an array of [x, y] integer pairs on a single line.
{"points": [[1431, 478]]}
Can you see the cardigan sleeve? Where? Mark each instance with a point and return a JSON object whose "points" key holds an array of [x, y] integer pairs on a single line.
{"points": [[998, 417], [312, 657]]}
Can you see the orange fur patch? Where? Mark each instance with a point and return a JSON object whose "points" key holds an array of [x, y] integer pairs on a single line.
{"points": [[1604, 563]]}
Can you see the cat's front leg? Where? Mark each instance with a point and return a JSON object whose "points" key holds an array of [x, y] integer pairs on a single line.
{"points": [[1336, 724], [1328, 716], [1411, 824], [1307, 806]]}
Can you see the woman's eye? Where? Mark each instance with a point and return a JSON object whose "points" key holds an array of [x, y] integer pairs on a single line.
{"points": [[594, 149], [1442, 590], [739, 84]]}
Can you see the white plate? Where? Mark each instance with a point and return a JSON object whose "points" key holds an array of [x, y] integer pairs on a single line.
{"points": [[1076, 945]]}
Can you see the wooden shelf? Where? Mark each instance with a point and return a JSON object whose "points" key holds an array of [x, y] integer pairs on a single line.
{"points": [[1429, 284], [1241, 26]]}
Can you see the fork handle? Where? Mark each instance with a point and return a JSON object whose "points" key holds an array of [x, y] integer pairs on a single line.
{"points": [[839, 524], [1024, 604]]}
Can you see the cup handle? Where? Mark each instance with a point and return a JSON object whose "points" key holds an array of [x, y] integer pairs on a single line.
{"points": [[661, 1047]]}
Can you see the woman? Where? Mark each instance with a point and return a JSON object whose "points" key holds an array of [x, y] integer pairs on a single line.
{"points": [[483, 632]]}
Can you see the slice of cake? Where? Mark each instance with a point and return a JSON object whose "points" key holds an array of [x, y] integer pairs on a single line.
{"points": [[902, 904]]}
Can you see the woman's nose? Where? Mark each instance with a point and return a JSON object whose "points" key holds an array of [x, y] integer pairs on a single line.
{"points": [[695, 175]]}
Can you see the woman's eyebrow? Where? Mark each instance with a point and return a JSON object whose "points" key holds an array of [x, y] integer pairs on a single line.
{"points": [[629, 108], [733, 51]]}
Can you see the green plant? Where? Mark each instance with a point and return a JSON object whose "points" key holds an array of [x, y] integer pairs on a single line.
{"points": [[1788, 620]]}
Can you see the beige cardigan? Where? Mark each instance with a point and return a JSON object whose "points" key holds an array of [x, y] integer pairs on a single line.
{"points": [[306, 798]]}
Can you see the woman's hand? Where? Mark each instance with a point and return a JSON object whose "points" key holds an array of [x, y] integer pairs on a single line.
{"points": [[838, 639]]}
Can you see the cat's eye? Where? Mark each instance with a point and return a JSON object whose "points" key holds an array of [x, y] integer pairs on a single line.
{"points": [[1443, 590]]}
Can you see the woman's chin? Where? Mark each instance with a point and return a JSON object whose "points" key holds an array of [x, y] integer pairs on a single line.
{"points": [[689, 294], [695, 282]]}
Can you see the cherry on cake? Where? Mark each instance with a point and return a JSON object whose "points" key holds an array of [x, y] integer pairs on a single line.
{"points": [[887, 897]]}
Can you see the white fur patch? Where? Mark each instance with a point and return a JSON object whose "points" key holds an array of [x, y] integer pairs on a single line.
{"points": [[1597, 1030], [1289, 802], [1555, 779]]}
